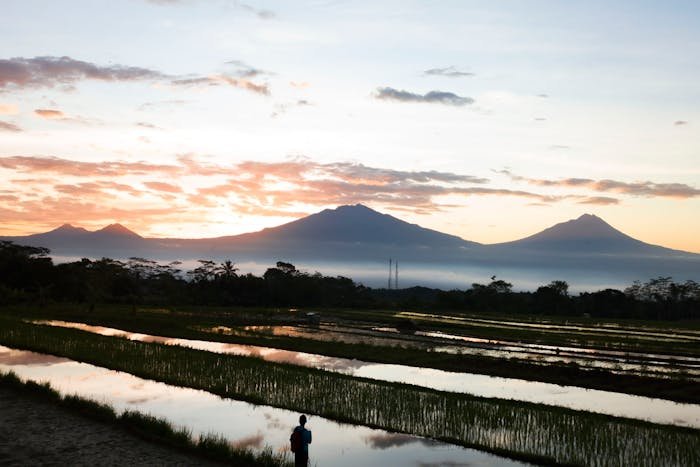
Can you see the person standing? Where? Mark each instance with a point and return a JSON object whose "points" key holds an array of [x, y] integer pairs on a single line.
{"points": [[300, 440]]}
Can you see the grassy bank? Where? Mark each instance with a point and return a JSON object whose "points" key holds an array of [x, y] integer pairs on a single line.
{"points": [[212, 447], [182, 324], [524, 431]]}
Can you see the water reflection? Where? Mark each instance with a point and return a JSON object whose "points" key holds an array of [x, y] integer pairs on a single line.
{"points": [[242, 423], [617, 362], [390, 440], [591, 400], [11, 357]]}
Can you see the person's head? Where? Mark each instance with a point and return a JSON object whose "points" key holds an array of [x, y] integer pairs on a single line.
{"points": [[302, 420]]}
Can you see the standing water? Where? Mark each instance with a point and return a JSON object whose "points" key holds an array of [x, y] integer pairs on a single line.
{"points": [[243, 424], [591, 400]]}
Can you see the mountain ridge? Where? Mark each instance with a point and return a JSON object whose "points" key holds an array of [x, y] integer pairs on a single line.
{"points": [[351, 226]]}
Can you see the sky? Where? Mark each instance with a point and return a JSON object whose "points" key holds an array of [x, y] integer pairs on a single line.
{"points": [[482, 119]]}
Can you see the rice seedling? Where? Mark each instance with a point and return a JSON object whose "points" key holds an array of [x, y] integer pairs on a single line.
{"points": [[516, 429]]}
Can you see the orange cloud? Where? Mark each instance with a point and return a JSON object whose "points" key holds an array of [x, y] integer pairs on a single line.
{"points": [[142, 194], [8, 109], [161, 186], [49, 113], [59, 166]]}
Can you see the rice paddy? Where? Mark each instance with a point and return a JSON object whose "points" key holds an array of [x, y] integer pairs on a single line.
{"points": [[520, 430]]}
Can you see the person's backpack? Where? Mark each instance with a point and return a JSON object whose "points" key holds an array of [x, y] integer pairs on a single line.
{"points": [[295, 439]]}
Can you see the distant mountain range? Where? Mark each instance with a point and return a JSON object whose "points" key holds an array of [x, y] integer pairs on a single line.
{"points": [[358, 233]]}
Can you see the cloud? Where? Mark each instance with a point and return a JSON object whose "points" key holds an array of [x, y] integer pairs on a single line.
{"points": [[162, 186], [243, 70], [218, 80], [642, 188], [49, 71], [8, 109], [150, 126], [260, 13], [143, 194], [680, 122], [599, 200], [58, 115], [450, 72], [7, 126], [57, 165], [283, 107], [158, 104], [97, 188], [49, 113], [434, 97]]}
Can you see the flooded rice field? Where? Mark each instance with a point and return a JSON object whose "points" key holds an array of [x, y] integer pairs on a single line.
{"points": [[242, 423], [611, 403], [618, 362], [614, 330]]}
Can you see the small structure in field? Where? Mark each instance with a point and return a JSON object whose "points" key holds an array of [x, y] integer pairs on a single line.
{"points": [[313, 318]]}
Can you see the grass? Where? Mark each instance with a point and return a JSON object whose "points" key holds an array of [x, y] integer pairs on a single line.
{"points": [[183, 324], [211, 446], [525, 431]]}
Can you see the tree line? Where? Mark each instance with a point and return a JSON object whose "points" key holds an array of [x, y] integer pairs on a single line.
{"points": [[28, 275]]}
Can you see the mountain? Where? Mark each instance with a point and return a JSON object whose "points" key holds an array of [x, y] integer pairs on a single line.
{"points": [[582, 249], [347, 233], [67, 229], [588, 234], [68, 240], [357, 224], [116, 231]]}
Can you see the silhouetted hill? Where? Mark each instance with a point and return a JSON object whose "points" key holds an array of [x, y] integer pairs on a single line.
{"points": [[586, 234], [346, 233], [586, 246], [116, 231], [68, 240], [357, 224]]}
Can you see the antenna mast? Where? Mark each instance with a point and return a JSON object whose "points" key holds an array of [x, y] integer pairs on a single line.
{"points": [[389, 286], [396, 274]]}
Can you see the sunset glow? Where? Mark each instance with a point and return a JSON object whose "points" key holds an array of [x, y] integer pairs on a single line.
{"points": [[486, 120]]}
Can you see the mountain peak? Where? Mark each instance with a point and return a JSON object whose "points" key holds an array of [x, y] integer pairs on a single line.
{"points": [[587, 226], [117, 229], [587, 233], [359, 224], [68, 229]]}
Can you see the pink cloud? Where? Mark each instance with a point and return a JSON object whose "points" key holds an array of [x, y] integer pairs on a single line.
{"points": [[7, 126]]}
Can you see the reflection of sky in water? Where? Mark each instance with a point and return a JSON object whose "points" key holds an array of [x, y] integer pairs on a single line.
{"points": [[646, 332], [242, 423], [620, 362], [611, 403]]}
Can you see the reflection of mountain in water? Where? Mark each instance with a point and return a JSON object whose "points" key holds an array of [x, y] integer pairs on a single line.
{"points": [[585, 246]]}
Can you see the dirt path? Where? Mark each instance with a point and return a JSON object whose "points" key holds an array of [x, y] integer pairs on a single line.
{"points": [[36, 432]]}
